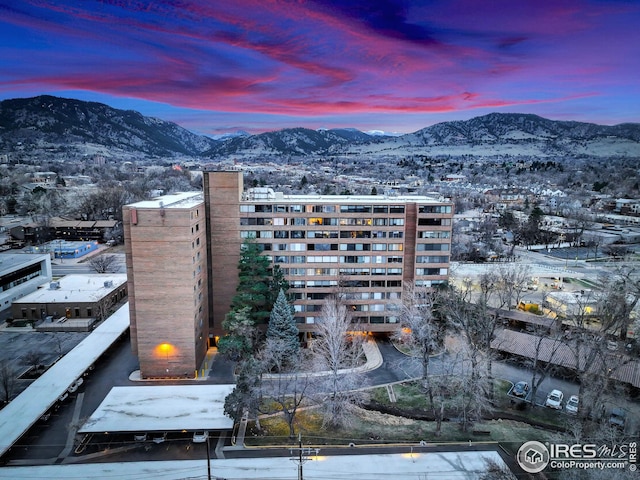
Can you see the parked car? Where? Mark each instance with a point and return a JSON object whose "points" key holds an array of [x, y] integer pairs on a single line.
{"points": [[572, 404], [554, 399], [520, 389], [140, 437], [617, 418], [159, 437], [612, 345], [200, 436], [75, 385]]}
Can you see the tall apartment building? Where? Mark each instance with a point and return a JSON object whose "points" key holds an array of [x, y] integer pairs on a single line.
{"points": [[366, 247], [165, 247]]}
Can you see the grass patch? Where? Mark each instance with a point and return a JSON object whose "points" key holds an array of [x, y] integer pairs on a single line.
{"points": [[374, 428]]}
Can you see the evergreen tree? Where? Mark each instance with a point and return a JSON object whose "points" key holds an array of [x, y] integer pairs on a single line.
{"points": [[254, 286], [277, 283], [282, 330], [239, 341]]}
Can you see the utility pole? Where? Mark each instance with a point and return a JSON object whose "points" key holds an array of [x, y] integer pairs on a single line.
{"points": [[303, 455], [208, 459]]}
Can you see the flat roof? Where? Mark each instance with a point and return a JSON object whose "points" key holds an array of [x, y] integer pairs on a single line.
{"points": [[461, 465], [76, 288], [161, 408], [9, 262], [174, 200], [278, 197]]}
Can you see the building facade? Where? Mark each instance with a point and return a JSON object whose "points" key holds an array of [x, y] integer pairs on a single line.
{"points": [[365, 247], [183, 250], [165, 249], [22, 274], [74, 302]]}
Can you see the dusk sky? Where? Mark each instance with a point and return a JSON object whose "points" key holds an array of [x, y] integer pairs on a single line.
{"points": [[217, 66]]}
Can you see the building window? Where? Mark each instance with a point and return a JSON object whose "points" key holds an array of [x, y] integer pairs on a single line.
{"points": [[434, 221], [432, 247], [396, 221], [76, 312], [355, 209], [434, 234], [435, 209], [89, 312]]}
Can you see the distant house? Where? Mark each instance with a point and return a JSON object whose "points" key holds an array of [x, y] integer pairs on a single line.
{"points": [[507, 197], [35, 233], [81, 230]]}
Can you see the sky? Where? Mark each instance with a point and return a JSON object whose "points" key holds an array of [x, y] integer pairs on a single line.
{"points": [[215, 66]]}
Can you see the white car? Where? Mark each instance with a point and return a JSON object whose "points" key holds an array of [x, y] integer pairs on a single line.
{"points": [[75, 385], [572, 404], [140, 437], [200, 436], [554, 399], [159, 437]]}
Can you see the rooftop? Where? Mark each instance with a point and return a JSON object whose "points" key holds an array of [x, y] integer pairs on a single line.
{"points": [[174, 200], [267, 195], [12, 261], [76, 288], [161, 408]]}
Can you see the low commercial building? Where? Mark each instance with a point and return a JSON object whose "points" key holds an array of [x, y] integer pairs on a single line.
{"points": [[75, 302]]}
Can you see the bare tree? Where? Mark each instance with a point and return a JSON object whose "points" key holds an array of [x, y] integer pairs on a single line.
{"points": [[496, 471], [477, 322], [337, 350], [106, 263], [423, 333], [545, 360], [510, 281], [34, 360], [287, 392], [467, 389], [8, 380]]}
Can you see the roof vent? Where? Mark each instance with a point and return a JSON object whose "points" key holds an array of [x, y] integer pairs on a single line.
{"points": [[54, 285]]}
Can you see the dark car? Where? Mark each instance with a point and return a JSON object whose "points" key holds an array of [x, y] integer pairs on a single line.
{"points": [[617, 418], [520, 389]]}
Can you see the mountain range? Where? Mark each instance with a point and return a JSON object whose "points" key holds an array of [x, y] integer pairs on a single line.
{"points": [[51, 123]]}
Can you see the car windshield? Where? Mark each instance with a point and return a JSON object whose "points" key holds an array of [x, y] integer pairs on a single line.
{"points": [[554, 397]]}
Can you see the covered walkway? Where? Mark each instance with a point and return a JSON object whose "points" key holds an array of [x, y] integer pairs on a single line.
{"points": [[25, 410]]}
